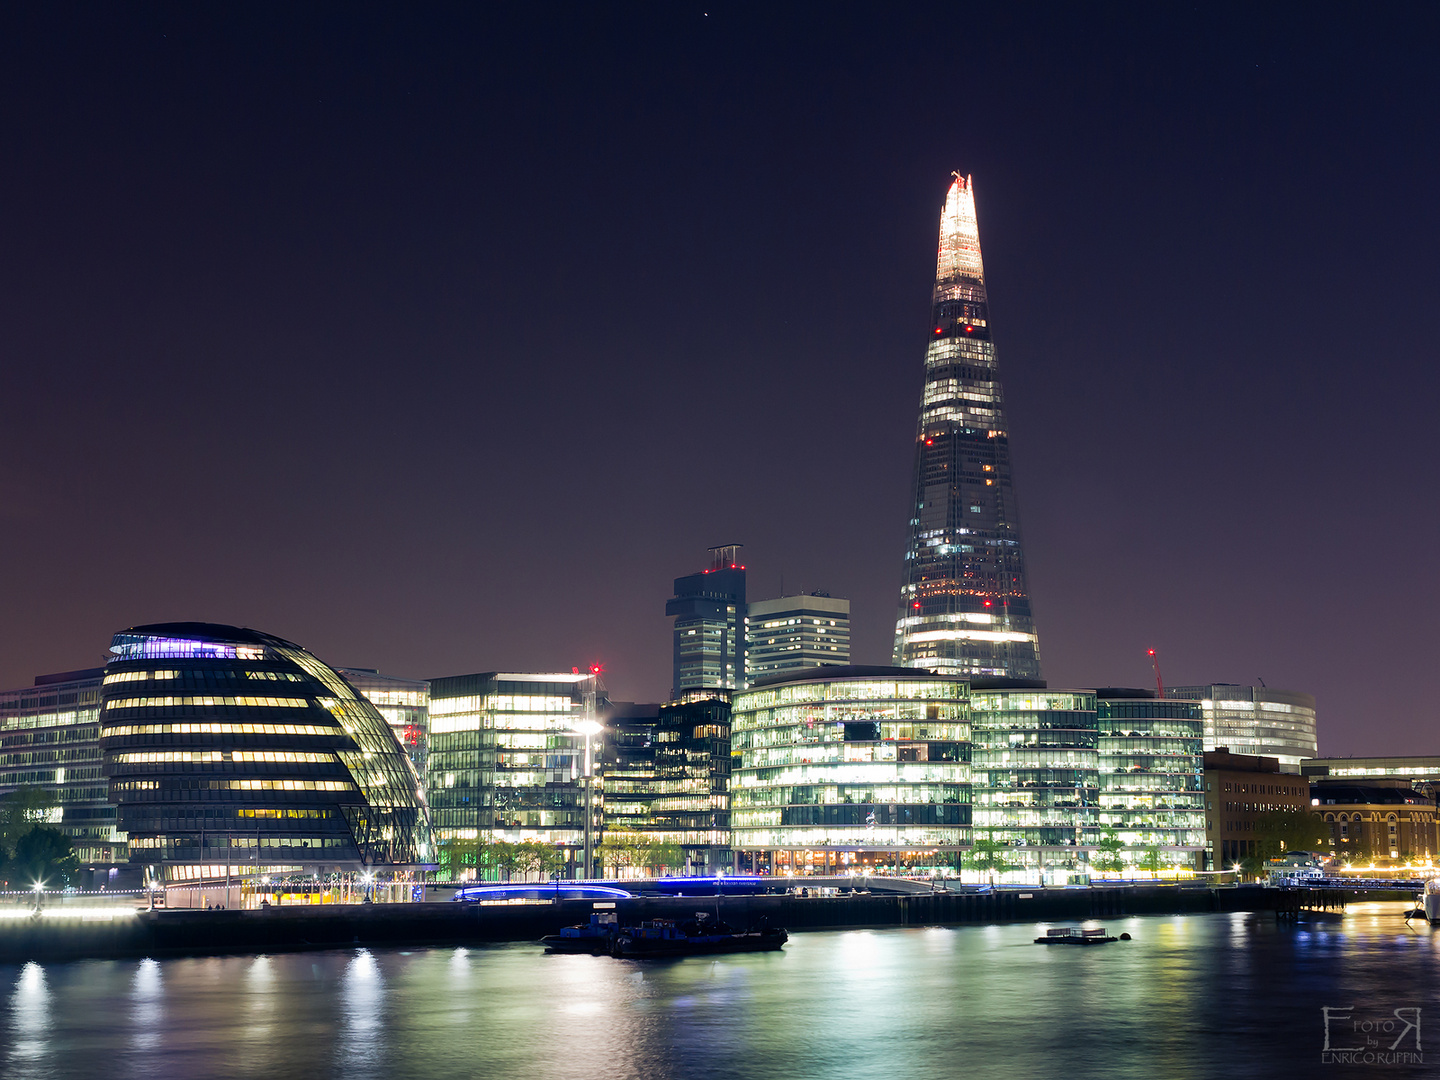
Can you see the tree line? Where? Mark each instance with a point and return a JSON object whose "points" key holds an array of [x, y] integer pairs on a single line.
{"points": [[32, 851], [620, 851]]}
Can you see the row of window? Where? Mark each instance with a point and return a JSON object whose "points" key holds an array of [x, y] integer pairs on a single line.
{"points": [[218, 728], [152, 757], [206, 702], [233, 785]]}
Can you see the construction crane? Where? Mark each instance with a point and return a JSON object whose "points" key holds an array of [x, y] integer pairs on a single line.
{"points": [[1155, 663]]}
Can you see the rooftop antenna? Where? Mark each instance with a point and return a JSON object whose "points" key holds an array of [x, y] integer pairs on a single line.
{"points": [[1262, 682], [1155, 663]]}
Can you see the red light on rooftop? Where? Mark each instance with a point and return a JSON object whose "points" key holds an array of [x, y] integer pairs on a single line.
{"points": [[987, 603], [916, 604], [929, 442], [937, 329], [596, 669], [968, 329]]}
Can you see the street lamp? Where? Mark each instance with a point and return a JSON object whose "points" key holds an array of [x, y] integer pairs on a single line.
{"points": [[589, 728]]}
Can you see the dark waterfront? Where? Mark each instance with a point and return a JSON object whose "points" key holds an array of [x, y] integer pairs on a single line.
{"points": [[1199, 995]]}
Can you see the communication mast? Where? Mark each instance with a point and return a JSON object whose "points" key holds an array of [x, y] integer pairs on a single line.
{"points": [[1155, 663]]}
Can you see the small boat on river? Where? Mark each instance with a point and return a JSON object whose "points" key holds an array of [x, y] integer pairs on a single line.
{"points": [[595, 937], [700, 936], [1075, 935]]}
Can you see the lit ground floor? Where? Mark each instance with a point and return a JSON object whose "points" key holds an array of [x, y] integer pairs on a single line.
{"points": [[1030, 865]]}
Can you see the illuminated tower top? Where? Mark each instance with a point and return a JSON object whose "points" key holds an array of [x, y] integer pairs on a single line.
{"points": [[964, 604]]}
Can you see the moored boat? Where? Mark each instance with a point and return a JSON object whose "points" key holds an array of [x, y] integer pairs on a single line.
{"points": [[594, 937], [1075, 935], [695, 937]]}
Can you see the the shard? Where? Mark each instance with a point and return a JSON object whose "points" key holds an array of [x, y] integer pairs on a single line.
{"points": [[964, 604]]}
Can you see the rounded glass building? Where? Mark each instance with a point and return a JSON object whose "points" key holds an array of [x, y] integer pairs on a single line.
{"points": [[230, 746], [850, 768]]}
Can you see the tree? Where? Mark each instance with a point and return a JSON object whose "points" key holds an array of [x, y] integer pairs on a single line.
{"points": [[664, 855], [623, 849], [42, 855], [1296, 829], [457, 855], [1107, 853], [1152, 859], [504, 856], [22, 810], [987, 855]]}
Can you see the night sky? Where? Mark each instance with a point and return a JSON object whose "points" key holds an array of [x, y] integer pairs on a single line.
{"points": [[443, 342]]}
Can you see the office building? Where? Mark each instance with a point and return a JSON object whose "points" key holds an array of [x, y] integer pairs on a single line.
{"points": [[507, 760], [709, 613], [1035, 776], [850, 768], [1152, 796], [1378, 822], [50, 739], [1240, 789], [1255, 720], [1421, 773], [230, 751], [691, 804], [964, 602], [405, 705], [667, 776], [627, 762], [794, 632]]}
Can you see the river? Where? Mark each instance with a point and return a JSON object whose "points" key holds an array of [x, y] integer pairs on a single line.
{"points": [[1190, 996]]}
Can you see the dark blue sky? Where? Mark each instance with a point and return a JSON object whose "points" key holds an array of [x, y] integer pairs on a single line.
{"points": [[443, 342]]}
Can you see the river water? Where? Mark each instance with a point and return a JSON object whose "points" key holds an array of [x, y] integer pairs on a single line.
{"points": [[1190, 996]]}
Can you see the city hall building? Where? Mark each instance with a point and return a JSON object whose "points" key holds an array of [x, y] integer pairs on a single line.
{"points": [[230, 751]]}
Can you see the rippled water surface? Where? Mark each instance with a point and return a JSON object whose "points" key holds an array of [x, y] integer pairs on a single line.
{"points": [[1208, 995]]}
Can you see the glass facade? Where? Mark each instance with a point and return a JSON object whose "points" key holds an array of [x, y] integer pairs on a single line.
{"points": [[794, 632], [709, 613], [232, 749], [50, 739], [1256, 720], [507, 762], [1036, 775], [851, 767], [964, 603], [405, 705], [1152, 772], [667, 775]]}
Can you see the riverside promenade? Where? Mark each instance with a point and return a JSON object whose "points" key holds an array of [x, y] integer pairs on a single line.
{"points": [[281, 929]]}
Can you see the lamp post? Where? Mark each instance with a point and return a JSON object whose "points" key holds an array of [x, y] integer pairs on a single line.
{"points": [[589, 728]]}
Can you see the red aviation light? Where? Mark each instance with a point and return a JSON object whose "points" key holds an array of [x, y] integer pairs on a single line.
{"points": [[596, 669], [968, 329], [929, 442], [916, 604], [939, 330], [987, 603]]}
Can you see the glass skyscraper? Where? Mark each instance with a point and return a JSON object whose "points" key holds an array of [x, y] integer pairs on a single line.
{"points": [[709, 613], [964, 604]]}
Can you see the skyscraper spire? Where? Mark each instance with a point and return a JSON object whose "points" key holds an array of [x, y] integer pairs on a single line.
{"points": [[964, 603]]}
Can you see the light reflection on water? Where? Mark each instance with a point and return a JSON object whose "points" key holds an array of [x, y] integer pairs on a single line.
{"points": [[1195, 996]]}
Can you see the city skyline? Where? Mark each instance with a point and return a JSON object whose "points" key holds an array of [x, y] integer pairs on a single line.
{"points": [[355, 351]]}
